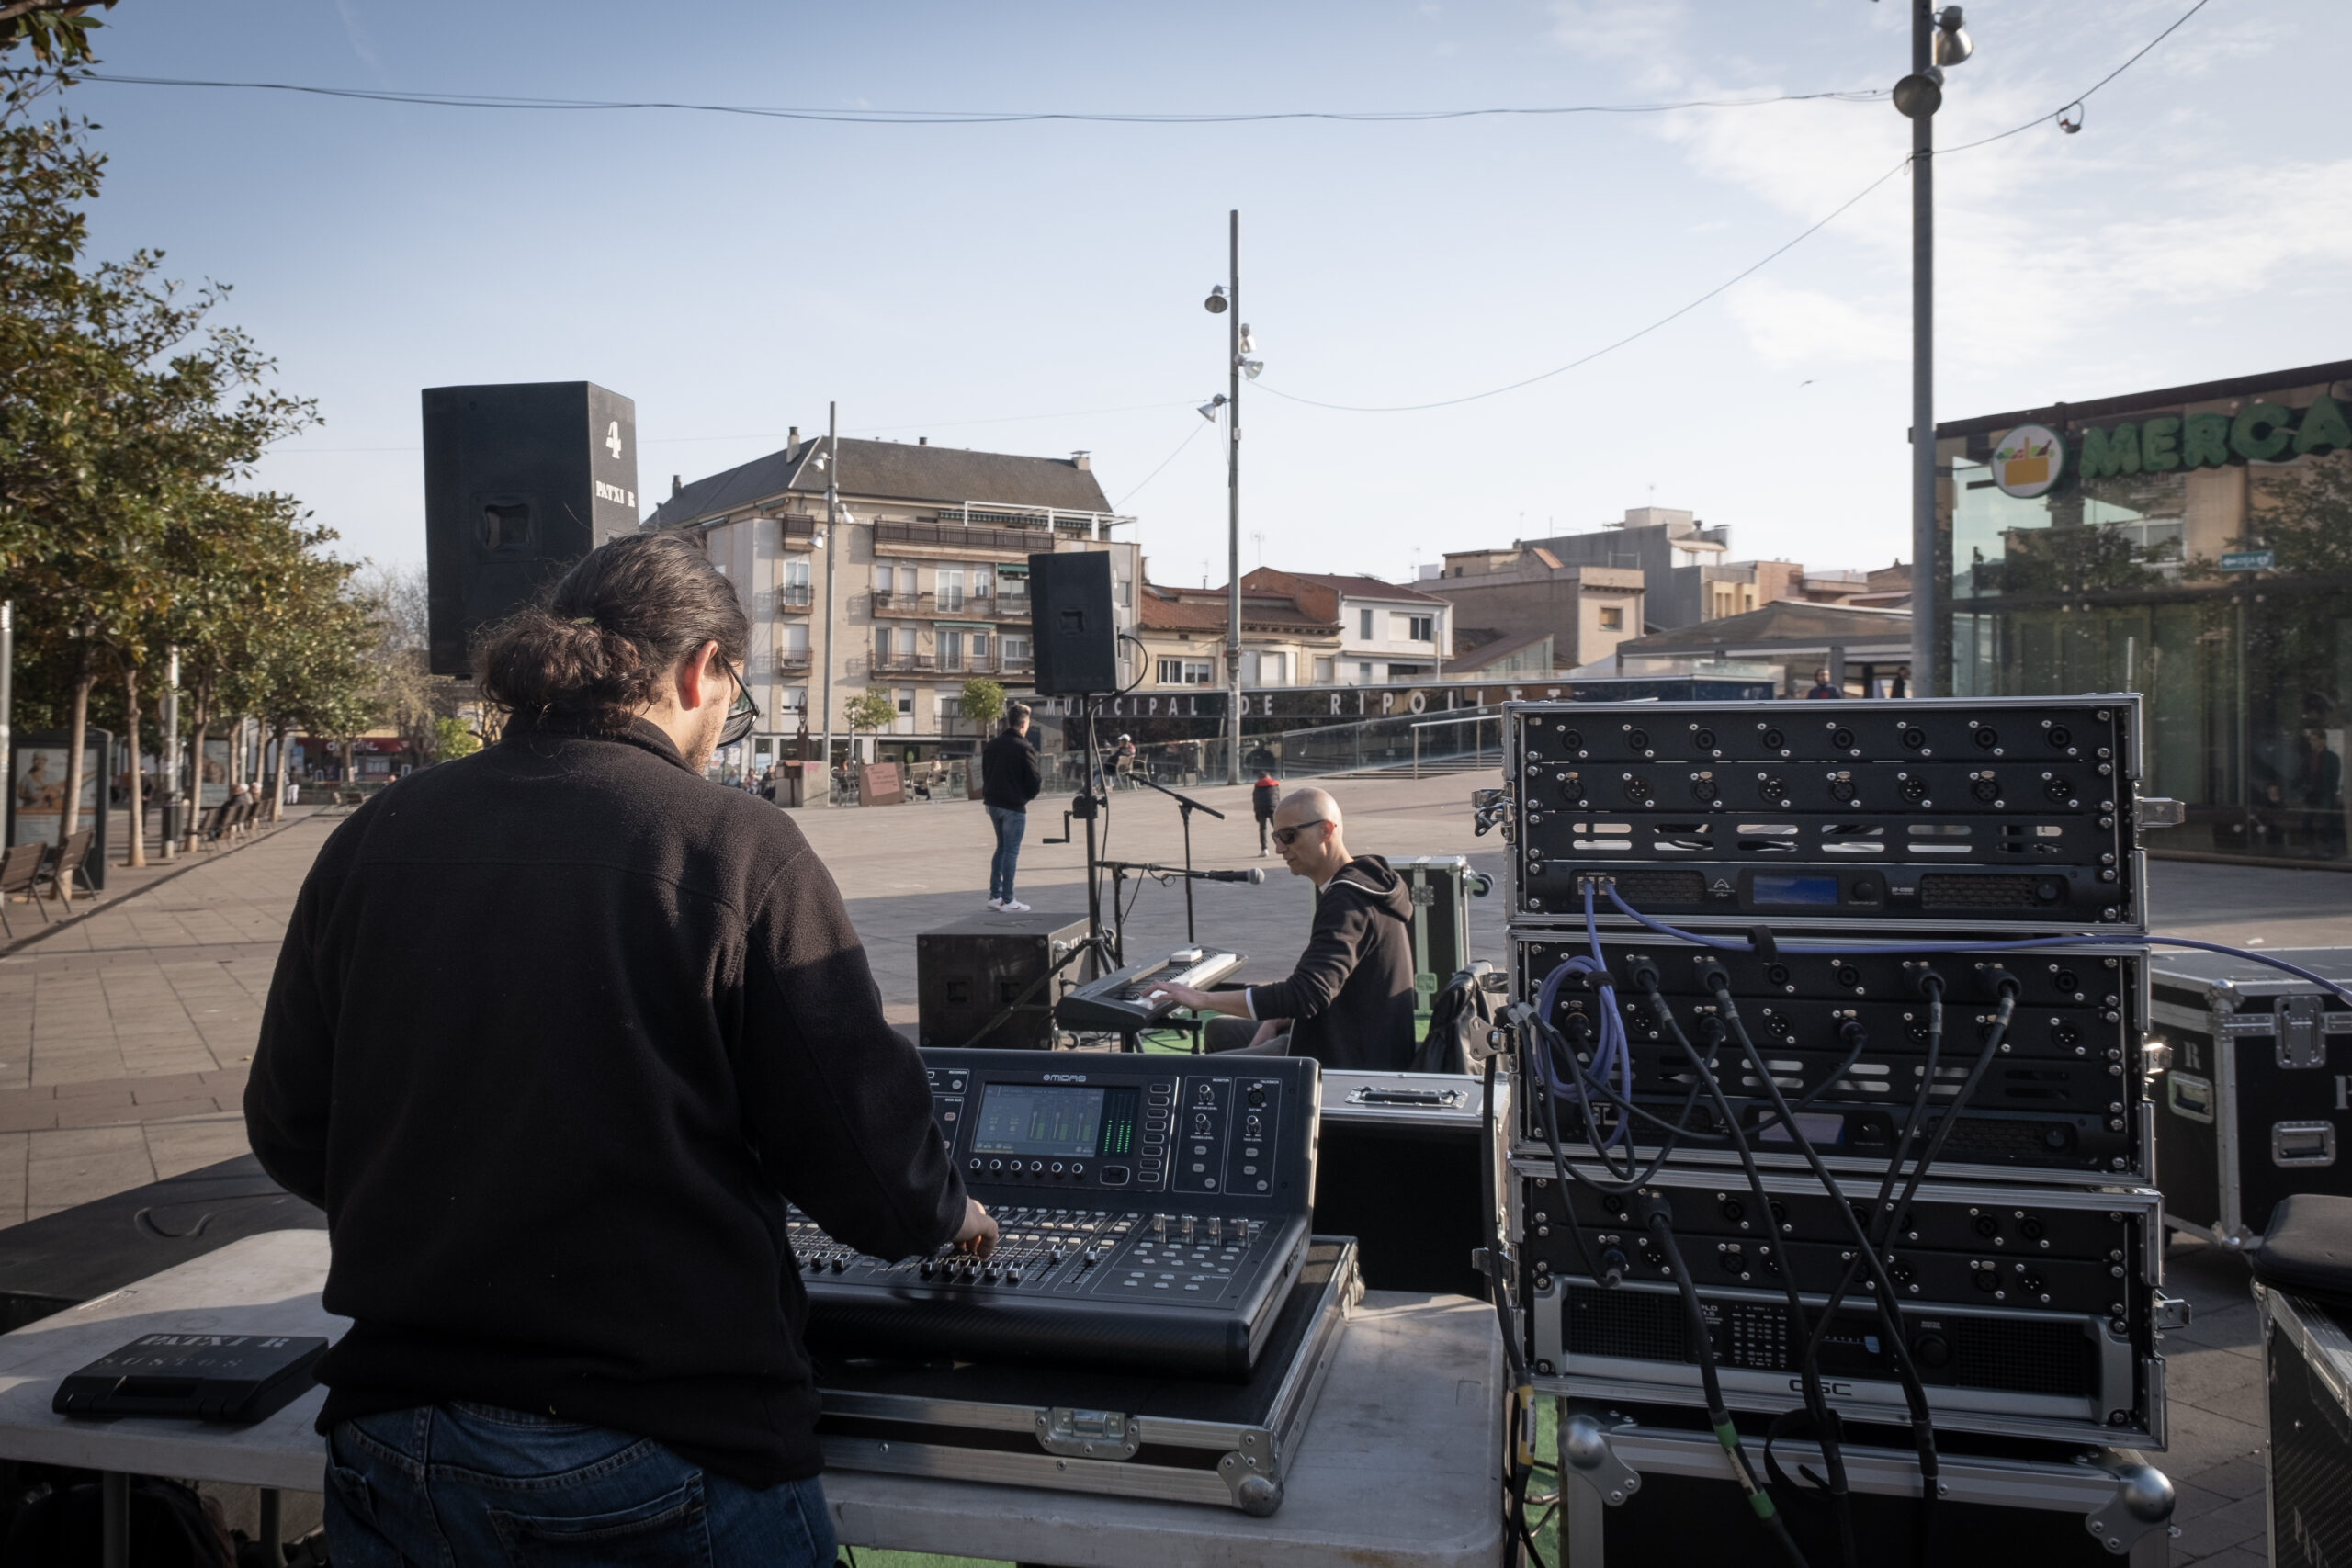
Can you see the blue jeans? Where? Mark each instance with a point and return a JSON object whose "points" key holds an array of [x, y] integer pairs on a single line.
{"points": [[454, 1485], [1009, 826]]}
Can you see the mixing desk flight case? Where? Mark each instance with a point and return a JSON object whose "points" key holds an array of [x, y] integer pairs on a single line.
{"points": [[1125, 1433]]}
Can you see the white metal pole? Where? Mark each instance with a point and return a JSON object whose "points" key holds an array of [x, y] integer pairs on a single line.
{"points": [[1233, 511], [167, 775], [833, 555], [1925, 681]]}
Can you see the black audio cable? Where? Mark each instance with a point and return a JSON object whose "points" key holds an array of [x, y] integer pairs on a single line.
{"points": [[1866, 1256], [1817, 1401], [1518, 1465], [1657, 1218]]}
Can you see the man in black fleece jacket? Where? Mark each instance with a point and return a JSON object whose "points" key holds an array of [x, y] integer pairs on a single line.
{"points": [[557, 1031], [1348, 1004]]}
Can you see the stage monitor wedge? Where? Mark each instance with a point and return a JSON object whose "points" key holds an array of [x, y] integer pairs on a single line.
{"points": [[520, 482], [1075, 632]]}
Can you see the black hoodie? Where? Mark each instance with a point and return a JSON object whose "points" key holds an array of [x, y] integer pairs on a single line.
{"points": [[556, 1031], [1350, 1001]]}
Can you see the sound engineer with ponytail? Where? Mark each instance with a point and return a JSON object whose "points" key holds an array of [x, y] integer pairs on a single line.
{"points": [[557, 1032]]}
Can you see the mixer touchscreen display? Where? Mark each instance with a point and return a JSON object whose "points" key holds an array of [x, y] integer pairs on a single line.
{"points": [[1054, 1121]]}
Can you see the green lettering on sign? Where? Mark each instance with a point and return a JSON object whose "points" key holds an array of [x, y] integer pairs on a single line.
{"points": [[2205, 441], [2324, 429], [2159, 445], [2261, 432], [2107, 453]]}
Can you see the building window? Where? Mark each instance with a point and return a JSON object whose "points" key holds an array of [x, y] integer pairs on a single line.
{"points": [[983, 581], [795, 640], [906, 701], [1326, 671], [1363, 627], [1012, 652], [1363, 671], [792, 700], [1422, 628], [951, 587], [979, 649], [951, 649], [794, 587], [1184, 671], [1612, 618], [1271, 670], [881, 646], [1124, 590]]}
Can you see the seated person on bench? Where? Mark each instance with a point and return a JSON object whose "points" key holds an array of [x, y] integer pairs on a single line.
{"points": [[1350, 1002]]}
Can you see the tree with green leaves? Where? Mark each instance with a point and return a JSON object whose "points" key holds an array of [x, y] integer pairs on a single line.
{"points": [[873, 710], [983, 702]]}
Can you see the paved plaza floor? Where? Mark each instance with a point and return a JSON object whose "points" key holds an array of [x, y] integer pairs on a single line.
{"points": [[125, 1037]]}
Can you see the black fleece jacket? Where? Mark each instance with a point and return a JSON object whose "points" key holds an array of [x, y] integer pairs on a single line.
{"points": [[557, 1031], [1009, 773], [1350, 1001]]}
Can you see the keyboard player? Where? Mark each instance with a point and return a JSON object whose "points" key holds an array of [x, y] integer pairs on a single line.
{"points": [[1349, 1003]]}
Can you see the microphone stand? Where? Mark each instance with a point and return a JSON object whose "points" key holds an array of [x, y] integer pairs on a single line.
{"points": [[1185, 807]]}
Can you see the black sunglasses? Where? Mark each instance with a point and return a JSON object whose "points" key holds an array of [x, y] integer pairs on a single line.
{"points": [[1286, 837], [744, 716]]}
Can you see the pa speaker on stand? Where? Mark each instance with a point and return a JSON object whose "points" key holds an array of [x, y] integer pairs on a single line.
{"points": [[1074, 633]]}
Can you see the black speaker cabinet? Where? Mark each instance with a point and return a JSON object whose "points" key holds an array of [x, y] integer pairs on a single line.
{"points": [[1077, 638], [969, 973], [520, 482]]}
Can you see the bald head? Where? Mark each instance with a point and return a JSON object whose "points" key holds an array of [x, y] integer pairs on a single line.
{"points": [[1306, 831], [1308, 805]]}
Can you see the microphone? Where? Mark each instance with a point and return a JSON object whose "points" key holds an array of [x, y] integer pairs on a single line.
{"points": [[1253, 875]]}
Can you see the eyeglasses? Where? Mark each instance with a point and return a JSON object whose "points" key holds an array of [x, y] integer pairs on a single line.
{"points": [[1286, 837], [743, 714]]}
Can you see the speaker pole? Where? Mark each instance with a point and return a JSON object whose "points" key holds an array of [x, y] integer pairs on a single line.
{"points": [[833, 555], [1233, 515]]}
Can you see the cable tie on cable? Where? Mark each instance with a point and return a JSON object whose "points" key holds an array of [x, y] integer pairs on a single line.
{"points": [[1767, 949]]}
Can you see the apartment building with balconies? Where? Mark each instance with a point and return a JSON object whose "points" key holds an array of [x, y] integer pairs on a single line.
{"points": [[930, 583]]}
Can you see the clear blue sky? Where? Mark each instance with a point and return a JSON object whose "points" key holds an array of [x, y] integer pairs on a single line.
{"points": [[732, 274]]}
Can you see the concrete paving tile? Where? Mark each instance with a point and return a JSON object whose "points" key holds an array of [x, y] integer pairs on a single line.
{"points": [[2200, 1440], [2241, 1477], [176, 1147], [2234, 1523], [2254, 1555]]}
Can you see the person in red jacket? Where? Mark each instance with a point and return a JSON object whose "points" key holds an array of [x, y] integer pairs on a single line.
{"points": [[1263, 797]]}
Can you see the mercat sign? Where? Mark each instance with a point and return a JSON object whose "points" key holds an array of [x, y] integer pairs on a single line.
{"points": [[2259, 432]]}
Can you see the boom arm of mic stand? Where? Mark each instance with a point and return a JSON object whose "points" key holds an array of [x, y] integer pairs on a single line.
{"points": [[1186, 801]]}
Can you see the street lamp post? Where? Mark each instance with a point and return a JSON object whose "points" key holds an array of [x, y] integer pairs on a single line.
{"points": [[1233, 513], [833, 554], [1937, 40]]}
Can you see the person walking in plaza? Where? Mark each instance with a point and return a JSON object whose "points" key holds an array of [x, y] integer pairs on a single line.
{"points": [[557, 1032], [1264, 796], [1122, 762], [1823, 686], [1010, 780]]}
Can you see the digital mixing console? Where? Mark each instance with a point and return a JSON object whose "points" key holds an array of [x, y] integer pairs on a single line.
{"points": [[1153, 1209]]}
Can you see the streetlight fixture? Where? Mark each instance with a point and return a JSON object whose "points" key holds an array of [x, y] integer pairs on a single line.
{"points": [[1216, 303], [1208, 410], [1937, 40]]}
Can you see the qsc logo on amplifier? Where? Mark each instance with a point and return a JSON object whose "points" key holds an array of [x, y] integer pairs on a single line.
{"points": [[1065, 1078], [1843, 1390]]}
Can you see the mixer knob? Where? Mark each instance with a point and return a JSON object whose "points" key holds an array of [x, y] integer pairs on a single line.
{"points": [[1216, 1228], [1087, 1261], [1012, 1276], [1188, 1227], [926, 1269], [839, 1264], [1159, 1224]]}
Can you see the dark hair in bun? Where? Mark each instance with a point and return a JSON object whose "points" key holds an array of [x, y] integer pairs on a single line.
{"points": [[596, 651]]}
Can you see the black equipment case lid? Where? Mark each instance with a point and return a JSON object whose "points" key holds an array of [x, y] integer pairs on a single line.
{"points": [[1110, 1432], [2308, 1248]]}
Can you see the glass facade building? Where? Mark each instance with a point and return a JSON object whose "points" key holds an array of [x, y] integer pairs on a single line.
{"points": [[2193, 545]]}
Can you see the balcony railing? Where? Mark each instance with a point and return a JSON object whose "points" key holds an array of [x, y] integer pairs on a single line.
{"points": [[967, 607], [795, 597], [957, 537], [792, 659], [903, 663]]}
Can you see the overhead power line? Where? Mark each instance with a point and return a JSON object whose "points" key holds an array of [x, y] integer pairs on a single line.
{"points": [[1747, 271], [977, 117]]}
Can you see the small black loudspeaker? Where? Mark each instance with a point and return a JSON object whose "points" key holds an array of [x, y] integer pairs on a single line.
{"points": [[1077, 640], [520, 482]]}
